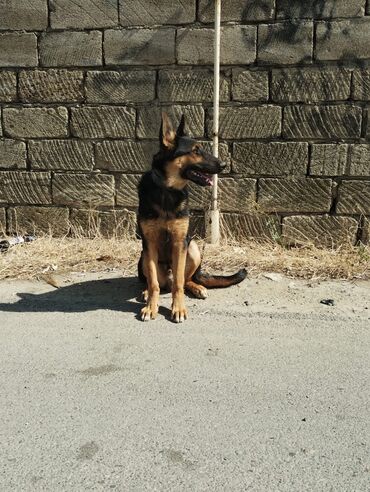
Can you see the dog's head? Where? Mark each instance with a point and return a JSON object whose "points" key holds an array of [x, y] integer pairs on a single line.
{"points": [[182, 159]]}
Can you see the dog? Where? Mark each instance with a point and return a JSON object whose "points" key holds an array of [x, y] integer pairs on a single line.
{"points": [[170, 259]]}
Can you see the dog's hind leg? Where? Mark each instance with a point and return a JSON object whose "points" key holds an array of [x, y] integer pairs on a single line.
{"points": [[193, 260]]}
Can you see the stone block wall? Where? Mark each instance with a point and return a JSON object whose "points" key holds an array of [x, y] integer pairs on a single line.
{"points": [[83, 83]]}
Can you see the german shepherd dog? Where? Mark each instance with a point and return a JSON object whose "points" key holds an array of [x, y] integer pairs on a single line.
{"points": [[170, 259]]}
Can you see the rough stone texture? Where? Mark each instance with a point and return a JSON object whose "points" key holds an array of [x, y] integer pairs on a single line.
{"points": [[71, 155], [149, 120], [365, 237], [294, 195], [120, 87], [118, 223], [199, 197], [354, 197], [319, 9], [51, 86], [2, 220], [83, 14], [340, 160], [274, 159], [343, 40], [193, 85], [36, 220], [197, 226], [329, 159], [71, 49], [86, 190], [139, 47], [127, 156], [139, 13], [31, 15], [237, 194], [250, 86], [12, 154], [195, 46], [285, 43], [238, 10], [82, 88], [361, 85], [103, 121], [18, 50], [109, 223], [8, 86], [359, 160], [322, 122], [25, 188], [309, 85], [322, 231], [127, 190], [248, 122], [251, 226], [35, 122], [85, 223]]}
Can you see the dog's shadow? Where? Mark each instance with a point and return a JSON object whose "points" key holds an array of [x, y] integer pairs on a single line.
{"points": [[116, 294]]}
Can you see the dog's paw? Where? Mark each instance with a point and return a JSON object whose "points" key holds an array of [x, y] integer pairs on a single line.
{"points": [[179, 313], [196, 290], [200, 292], [148, 313]]}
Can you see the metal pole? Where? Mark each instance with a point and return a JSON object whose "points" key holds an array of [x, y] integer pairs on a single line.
{"points": [[213, 220]]}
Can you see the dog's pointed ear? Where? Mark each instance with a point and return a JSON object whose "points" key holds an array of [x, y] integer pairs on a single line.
{"points": [[167, 134], [181, 129]]}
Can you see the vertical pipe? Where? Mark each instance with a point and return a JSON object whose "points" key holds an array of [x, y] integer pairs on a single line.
{"points": [[214, 218]]}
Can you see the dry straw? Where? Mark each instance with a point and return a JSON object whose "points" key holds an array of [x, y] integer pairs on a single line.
{"points": [[97, 253]]}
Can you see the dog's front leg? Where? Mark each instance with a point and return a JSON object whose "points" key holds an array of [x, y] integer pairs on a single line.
{"points": [[179, 313], [150, 311], [179, 251]]}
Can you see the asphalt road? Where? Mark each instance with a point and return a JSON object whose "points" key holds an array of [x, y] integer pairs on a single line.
{"points": [[262, 389]]}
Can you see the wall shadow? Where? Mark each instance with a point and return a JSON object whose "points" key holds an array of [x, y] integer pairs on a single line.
{"points": [[116, 294]]}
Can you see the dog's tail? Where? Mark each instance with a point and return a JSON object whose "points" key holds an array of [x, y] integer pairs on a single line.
{"points": [[218, 281]]}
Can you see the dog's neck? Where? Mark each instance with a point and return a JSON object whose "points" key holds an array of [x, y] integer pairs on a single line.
{"points": [[173, 182], [176, 182]]}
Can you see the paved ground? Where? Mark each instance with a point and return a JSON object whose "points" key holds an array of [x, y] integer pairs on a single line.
{"points": [[272, 395]]}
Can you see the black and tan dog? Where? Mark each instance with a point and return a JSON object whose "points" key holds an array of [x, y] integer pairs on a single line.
{"points": [[170, 259]]}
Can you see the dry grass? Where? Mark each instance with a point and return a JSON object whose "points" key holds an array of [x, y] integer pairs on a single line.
{"points": [[64, 255], [304, 262]]}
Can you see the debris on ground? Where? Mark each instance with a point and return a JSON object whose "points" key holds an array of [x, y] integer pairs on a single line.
{"points": [[51, 280], [49, 268], [5, 244], [275, 277], [327, 302]]}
